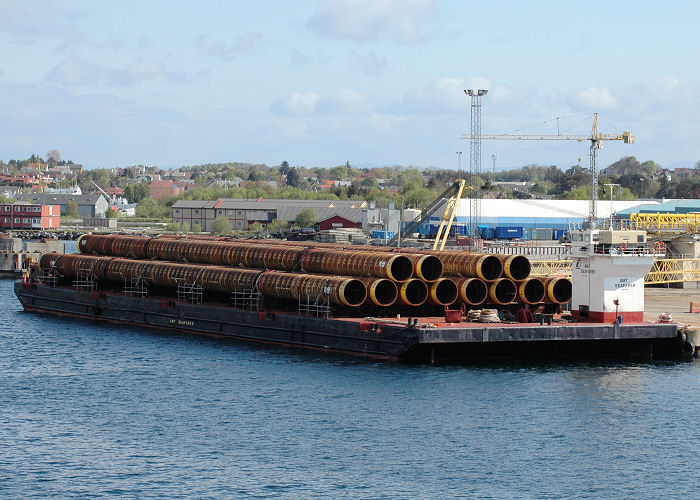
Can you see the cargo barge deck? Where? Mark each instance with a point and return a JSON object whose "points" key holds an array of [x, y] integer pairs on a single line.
{"points": [[424, 339]]}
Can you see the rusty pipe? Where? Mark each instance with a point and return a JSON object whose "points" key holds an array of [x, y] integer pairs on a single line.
{"points": [[413, 292], [339, 290], [396, 267], [502, 291], [472, 291], [442, 292], [390, 265], [531, 291]]}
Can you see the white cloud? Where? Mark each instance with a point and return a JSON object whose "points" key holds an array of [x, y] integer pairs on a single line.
{"points": [[445, 95], [342, 102], [78, 72], [363, 20], [296, 103], [345, 101], [385, 121], [598, 98]]}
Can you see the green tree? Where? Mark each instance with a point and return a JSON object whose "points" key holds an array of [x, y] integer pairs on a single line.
{"points": [[254, 175], [71, 208], [277, 226], [293, 177], [306, 218], [141, 192], [255, 227], [148, 208], [129, 192], [196, 228], [221, 225], [111, 213], [284, 167], [340, 172]]}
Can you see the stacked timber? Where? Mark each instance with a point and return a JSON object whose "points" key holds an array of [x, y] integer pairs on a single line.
{"points": [[349, 275]]}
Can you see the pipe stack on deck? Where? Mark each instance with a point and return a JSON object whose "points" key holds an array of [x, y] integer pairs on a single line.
{"points": [[293, 270]]}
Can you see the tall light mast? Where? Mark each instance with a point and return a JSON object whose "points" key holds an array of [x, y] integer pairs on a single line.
{"points": [[475, 158]]}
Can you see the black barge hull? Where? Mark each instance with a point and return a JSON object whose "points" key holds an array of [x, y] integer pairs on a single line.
{"points": [[386, 339]]}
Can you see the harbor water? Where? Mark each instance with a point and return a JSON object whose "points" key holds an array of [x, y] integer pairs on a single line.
{"points": [[92, 410]]}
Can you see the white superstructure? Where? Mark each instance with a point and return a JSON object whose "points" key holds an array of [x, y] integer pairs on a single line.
{"points": [[607, 274]]}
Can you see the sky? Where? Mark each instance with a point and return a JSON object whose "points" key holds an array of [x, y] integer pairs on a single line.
{"points": [[370, 82]]}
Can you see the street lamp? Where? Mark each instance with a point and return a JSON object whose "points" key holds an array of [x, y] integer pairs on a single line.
{"points": [[459, 163], [494, 157]]}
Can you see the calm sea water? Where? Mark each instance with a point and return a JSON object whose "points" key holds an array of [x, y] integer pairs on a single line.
{"points": [[88, 410]]}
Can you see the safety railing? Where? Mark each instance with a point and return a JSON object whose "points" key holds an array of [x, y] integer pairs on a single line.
{"points": [[663, 271]]}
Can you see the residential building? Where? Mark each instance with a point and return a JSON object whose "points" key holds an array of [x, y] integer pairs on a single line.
{"points": [[29, 216]]}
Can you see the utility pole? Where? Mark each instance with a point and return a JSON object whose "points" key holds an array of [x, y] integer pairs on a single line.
{"points": [[459, 164]]}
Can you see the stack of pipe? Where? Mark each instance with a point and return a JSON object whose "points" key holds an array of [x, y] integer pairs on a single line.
{"points": [[344, 291], [407, 276]]}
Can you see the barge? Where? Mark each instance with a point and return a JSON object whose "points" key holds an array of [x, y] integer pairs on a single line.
{"points": [[606, 301]]}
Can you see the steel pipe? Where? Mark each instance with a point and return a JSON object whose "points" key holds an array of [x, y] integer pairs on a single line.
{"points": [[426, 267], [515, 267], [472, 291], [558, 290], [442, 292], [344, 291], [294, 286], [413, 292], [502, 291], [394, 266], [457, 263], [381, 291], [531, 291]]}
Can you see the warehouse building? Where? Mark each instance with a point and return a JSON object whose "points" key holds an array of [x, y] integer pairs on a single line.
{"points": [[89, 205], [241, 213]]}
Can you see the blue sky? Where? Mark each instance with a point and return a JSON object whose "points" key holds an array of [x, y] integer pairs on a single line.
{"points": [[319, 83]]}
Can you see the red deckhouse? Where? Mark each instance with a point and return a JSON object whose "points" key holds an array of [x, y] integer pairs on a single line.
{"points": [[26, 216]]}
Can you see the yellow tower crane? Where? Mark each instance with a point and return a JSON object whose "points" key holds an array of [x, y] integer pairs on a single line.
{"points": [[596, 139]]}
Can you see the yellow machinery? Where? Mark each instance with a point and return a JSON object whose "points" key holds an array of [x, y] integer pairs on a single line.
{"points": [[448, 217], [663, 270], [679, 223]]}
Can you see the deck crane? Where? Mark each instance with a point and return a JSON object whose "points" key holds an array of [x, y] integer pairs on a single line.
{"points": [[596, 139], [110, 200], [452, 194]]}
